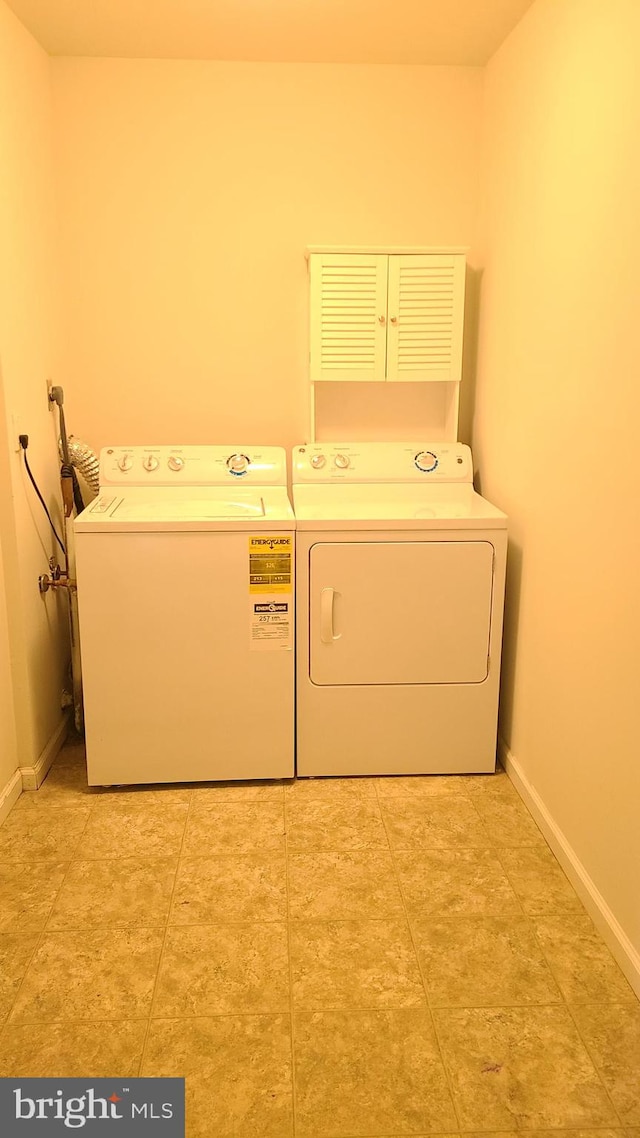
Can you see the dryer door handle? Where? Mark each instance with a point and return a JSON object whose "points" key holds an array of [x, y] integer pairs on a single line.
{"points": [[326, 616]]}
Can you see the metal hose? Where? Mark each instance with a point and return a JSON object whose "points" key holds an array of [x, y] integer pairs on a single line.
{"points": [[86, 461]]}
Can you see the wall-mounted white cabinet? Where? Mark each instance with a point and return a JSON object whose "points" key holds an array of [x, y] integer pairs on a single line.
{"points": [[394, 316]]}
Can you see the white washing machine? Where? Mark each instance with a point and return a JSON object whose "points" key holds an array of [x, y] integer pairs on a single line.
{"points": [[185, 567], [400, 590]]}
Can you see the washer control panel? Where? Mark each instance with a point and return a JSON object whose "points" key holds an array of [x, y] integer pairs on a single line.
{"points": [[382, 462], [192, 465]]}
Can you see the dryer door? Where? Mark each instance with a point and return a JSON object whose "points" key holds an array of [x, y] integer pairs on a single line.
{"points": [[400, 612]]}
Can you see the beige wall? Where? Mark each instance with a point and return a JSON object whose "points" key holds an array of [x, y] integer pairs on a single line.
{"points": [[8, 741], [557, 416], [187, 194], [37, 628]]}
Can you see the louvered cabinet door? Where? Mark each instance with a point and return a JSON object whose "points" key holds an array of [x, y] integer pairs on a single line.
{"points": [[348, 316], [425, 317]]}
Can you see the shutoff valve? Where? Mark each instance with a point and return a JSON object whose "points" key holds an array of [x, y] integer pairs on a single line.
{"points": [[56, 578]]}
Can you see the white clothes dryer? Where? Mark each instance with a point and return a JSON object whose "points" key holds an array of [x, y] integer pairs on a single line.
{"points": [[400, 592], [185, 568]]}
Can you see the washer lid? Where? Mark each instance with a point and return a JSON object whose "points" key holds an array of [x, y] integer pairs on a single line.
{"points": [[205, 510], [409, 506], [185, 508]]}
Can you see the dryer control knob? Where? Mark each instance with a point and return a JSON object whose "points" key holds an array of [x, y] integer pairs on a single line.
{"points": [[426, 461], [318, 461], [175, 462], [342, 461], [125, 463], [238, 463], [150, 462]]}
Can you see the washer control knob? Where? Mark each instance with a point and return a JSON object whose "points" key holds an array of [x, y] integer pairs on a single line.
{"points": [[125, 463], [342, 461], [318, 461], [176, 462], [238, 463], [150, 462], [426, 460]]}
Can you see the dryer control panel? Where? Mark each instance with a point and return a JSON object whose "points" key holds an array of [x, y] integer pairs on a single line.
{"points": [[192, 465], [382, 462]]}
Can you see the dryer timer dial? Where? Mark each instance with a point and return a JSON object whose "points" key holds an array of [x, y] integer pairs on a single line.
{"points": [[426, 461]]}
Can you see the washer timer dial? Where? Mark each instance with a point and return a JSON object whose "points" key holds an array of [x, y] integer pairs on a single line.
{"points": [[342, 461], [426, 461], [238, 464]]}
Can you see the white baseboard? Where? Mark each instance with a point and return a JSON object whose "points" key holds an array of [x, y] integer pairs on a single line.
{"points": [[9, 794], [33, 777], [612, 932]]}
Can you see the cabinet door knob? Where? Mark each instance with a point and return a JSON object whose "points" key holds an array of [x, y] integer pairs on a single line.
{"points": [[394, 319], [381, 319]]}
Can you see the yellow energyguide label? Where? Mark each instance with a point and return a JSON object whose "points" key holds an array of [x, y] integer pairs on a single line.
{"points": [[271, 563]]}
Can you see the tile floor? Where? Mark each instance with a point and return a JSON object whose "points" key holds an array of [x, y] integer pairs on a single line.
{"points": [[370, 957]]}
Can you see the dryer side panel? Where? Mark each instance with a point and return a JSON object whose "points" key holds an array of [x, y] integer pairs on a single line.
{"points": [[400, 612]]}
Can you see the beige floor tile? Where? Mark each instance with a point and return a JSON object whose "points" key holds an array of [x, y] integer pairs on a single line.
{"points": [[496, 785], [27, 892], [214, 829], [507, 820], [335, 825], [600, 1133], [219, 793], [42, 834], [368, 1060], [330, 789], [369, 1073], [612, 1035], [237, 1071], [522, 1069], [223, 969], [354, 964], [16, 950], [154, 795], [325, 885], [482, 962], [539, 882], [90, 976], [127, 831], [420, 785], [63, 786], [119, 893], [455, 881], [72, 1050], [248, 886], [73, 753], [580, 960], [435, 822]]}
